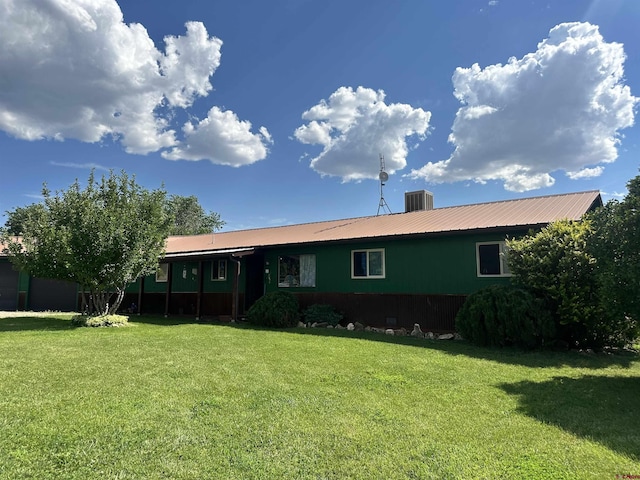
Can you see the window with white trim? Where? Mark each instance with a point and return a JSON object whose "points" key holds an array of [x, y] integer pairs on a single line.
{"points": [[368, 263], [162, 273], [491, 259], [218, 270], [297, 271]]}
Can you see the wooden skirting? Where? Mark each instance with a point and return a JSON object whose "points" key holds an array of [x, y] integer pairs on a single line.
{"points": [[435, 313]]}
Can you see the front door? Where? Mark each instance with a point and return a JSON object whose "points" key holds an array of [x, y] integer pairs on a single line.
{"points": [[254, 285]]}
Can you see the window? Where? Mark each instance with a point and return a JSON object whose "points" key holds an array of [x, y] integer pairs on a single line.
{"points": [[219, 270], [162, 274], [367, 263], [491, 259], [297, 271]]}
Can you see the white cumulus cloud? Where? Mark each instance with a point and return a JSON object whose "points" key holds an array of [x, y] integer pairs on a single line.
{"points": [[559, 108], [223, 139], [74, 69], [355, 127]]}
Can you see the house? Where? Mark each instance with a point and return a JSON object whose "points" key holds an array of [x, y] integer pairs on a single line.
{"points": [[388, 271]]}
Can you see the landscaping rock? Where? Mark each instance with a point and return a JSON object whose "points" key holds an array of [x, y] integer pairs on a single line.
{"points": [[417, 331], [359, 327], [351, 327], [446, 336], [302, 325], [339, 327], [401, 332], [320, 325], [429, 335], [389, 331]]}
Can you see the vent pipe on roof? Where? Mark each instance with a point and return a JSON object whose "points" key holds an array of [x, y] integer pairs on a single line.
{"points": [[419, 200]]}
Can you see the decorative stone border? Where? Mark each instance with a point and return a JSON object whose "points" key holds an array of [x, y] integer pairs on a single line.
{"points": [[401, 332]]}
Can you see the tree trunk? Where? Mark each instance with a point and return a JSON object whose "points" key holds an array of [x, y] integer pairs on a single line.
{"points": [[117, 301]]}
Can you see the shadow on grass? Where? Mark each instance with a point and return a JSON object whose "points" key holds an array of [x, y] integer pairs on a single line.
{"points": [[602, 409], [532, 359], [19, 324], [511, 356], [167, 322]]}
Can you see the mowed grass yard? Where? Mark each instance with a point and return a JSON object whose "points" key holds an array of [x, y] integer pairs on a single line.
{"points": [[172, 399]]}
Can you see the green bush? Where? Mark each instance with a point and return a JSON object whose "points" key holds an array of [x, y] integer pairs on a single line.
{"points": [[503, 316], [100, 320], [321, 313], [275, 309]]}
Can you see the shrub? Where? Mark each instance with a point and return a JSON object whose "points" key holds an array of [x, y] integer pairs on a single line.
{"points": [[322, 314], [275, 309], [100, 321], [505, 315]]}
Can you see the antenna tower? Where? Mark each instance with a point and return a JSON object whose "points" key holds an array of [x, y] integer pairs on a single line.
{"points": [[383, 176]]}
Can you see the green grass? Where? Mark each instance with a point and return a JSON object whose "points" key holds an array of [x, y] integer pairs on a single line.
{"points": [[166, 399]]}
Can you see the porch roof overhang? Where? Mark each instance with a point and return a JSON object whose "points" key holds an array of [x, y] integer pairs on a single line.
{"points": [[198, 254]]}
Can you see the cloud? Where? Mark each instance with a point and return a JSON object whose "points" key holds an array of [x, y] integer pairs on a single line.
{"points": [[355, 127], [83, 166], [558, 108], [72, 69], [586, 173], [223, 139]]}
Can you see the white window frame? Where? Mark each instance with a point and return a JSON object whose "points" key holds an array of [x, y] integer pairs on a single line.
{"points": [[219, 278], [162, 273], [368, 276], [502, 252]]}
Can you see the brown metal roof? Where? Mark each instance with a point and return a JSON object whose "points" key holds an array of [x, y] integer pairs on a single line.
{"points": [[526, 212]]}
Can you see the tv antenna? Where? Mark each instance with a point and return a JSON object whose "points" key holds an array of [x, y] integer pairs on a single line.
{"points": [[383, 176]]}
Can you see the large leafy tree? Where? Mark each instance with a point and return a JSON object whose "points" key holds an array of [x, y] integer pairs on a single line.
{"points": [[616, 245], [16, 219], [102, 237], [189, 218], [555, 264]]}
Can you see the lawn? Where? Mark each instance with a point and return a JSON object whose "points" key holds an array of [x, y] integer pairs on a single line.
{"points": [[172, 399]]}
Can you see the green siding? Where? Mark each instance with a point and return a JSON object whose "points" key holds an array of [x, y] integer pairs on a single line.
{"points": [[427, 265], [184, 280]]}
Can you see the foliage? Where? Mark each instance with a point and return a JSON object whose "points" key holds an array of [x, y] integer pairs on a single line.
{"points": [[189, 218], [321, 313], [99, 320], [16, 219], [556, 265], [101, 237], [275, 309], [616, 246], [502, 315]]}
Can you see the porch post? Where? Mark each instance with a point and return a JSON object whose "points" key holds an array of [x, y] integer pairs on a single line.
{"points": [[236, 289], [200, 285], [168, 292], [140, 295]]}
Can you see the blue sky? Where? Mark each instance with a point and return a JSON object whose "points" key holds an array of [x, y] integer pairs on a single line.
{"points": [[276, 113]]}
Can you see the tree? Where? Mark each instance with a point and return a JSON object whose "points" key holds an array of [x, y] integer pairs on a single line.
{"points": [[616, 247], [18, 217], [555, 265], [189, 218], [102, 237]]}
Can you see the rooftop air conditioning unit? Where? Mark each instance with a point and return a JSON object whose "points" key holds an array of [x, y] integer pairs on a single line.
{"points": [[420, 200]]}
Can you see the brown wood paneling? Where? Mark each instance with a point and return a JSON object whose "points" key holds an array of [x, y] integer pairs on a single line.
{"points": [[47, 294], [434, 313], [8, 287]]}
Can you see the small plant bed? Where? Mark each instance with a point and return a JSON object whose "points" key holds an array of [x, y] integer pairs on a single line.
{"points": [[100, 321]]}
